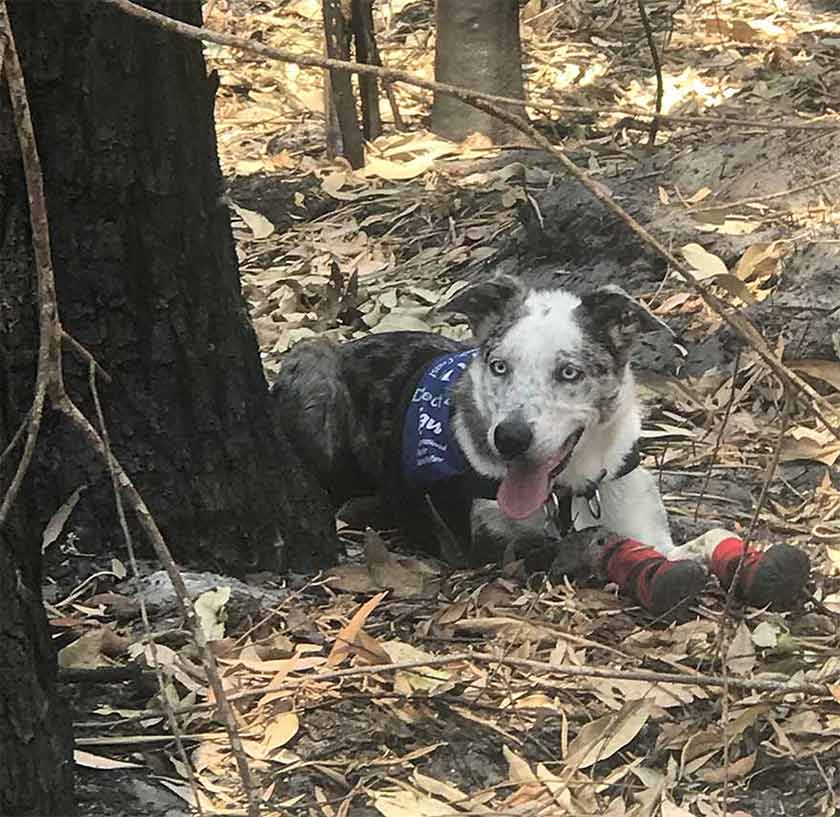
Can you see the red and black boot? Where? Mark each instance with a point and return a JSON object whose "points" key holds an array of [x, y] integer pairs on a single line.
{"points": [[774, 577], [659, 585]]}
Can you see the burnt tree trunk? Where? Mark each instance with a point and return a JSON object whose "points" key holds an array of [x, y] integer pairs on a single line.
{"points": [[147, 280], [364, 37], [36, 740], [478, 46], [337, 38]]}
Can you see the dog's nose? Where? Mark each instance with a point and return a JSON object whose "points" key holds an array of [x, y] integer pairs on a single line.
{"points": [[512, 437]]}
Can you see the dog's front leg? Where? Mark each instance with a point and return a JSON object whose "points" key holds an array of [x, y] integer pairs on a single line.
{"points": [[774, 577]]}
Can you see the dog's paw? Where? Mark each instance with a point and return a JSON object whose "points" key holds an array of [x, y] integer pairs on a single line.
{"points": [[774, 577]]}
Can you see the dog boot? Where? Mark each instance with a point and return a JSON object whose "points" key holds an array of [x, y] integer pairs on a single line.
{"points": [[656, 583], [774, 577]]}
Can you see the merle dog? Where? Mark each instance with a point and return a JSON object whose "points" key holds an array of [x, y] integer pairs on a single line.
{"points": [[469, 445]]}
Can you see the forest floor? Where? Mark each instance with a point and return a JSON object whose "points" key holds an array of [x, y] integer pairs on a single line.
{"points": [[327, 251]]}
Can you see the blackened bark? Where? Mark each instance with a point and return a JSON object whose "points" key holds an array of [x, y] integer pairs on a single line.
{"points": [[36, 740], [478, 46], [364, 37], [147, 280], [337, 35]]}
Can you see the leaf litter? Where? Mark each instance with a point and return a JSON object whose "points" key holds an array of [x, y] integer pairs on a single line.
{"points": [[326, 251]]}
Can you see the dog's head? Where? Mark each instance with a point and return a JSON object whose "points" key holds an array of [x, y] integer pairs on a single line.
{"points": [[537, 404]]}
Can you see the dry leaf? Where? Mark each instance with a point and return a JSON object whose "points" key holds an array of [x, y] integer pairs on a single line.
{"points": [[734, 771], [761, 260], [396, 171], [407, 802], [425, 679], [519, 771], [85, 652], [350, 634], [740, 657], [210, 609], [54, 527], [602, 738], [257, 223], [803, 443], [91, 761], [827, 370], [280, 731], [765, 635], [700, 195], [670, 809], [704, 263]]}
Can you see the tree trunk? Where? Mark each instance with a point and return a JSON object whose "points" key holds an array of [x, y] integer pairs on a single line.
{"points": [[147, 280], [36, 740], [337, 37], [364, 37], [478, 46]]}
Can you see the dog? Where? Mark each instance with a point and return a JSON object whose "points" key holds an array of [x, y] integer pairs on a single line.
{"points": [[509, 443]]}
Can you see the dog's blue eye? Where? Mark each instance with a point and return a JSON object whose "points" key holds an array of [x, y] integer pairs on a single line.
{"points": [[498, 367], [568, 373]]}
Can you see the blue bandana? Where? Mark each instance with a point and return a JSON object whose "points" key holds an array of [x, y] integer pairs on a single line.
{"points": [[430, 451]]}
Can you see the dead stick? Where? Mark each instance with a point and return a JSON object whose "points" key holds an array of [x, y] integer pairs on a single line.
{"points": [[713, 458], [756, 199], [760, 684], [818, 405], [144, 613]]}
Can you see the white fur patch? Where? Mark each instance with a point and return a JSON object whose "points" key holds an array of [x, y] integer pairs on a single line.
{"points": [[547, 335]]}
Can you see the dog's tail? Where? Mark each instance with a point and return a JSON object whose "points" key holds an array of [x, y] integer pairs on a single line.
{"points": [[312, 405]]}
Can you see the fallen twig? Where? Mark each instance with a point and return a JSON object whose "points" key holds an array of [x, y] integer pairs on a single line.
{"points": [[713, 458], [144, 613], [756, 199], [779, 687]]}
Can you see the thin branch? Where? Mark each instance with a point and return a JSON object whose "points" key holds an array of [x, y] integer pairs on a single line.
{"points": [[149, 526], [144, 613], [395, 75], [47, 373], [756, 199], [657, 67], [84, 354], [779, 687], [18, 436], [768, 477], [819, 406]]}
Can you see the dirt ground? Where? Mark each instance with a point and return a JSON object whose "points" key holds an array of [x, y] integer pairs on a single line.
{"points": [[753, 208]]}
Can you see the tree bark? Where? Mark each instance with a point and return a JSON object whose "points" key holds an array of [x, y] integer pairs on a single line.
{"points": [[364, 37], [147, 280], [478, 46], [36, 740], [337, 35]]}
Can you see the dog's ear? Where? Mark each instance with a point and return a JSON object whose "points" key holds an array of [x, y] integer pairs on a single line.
{"points": [[485, 302], [618, 318]]}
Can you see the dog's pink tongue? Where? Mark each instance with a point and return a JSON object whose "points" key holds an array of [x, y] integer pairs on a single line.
{"points": [[524, 489]]}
